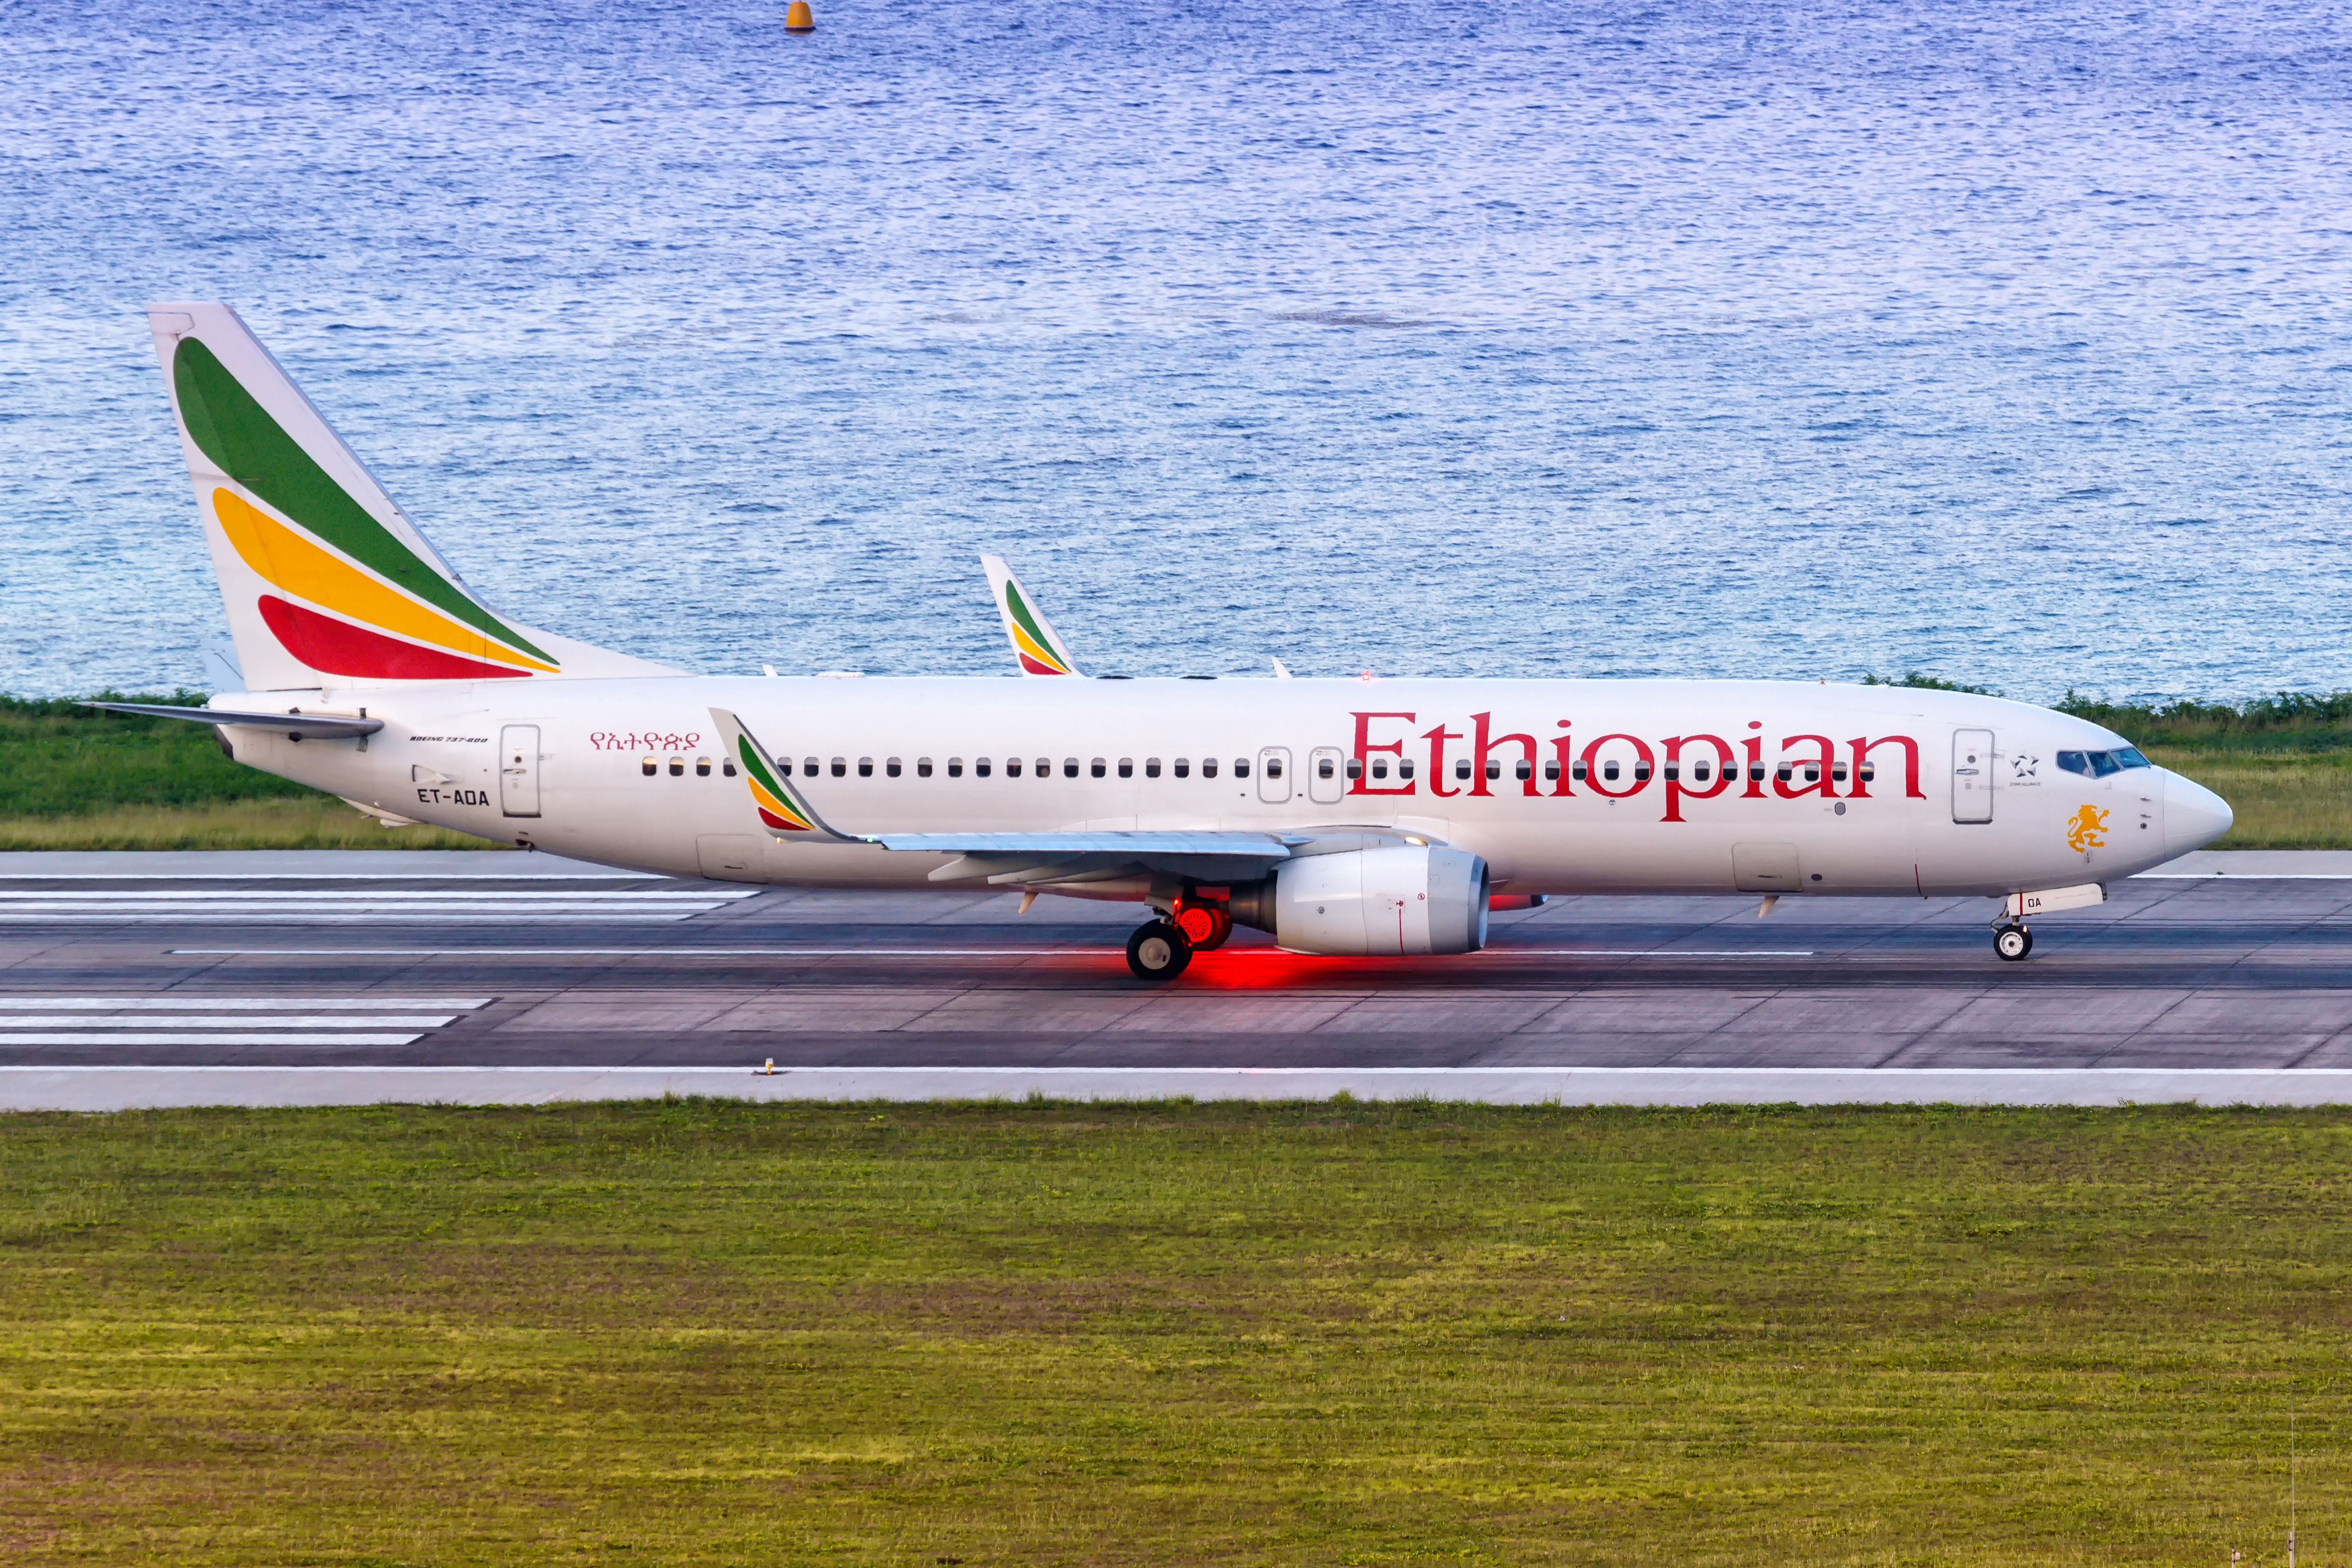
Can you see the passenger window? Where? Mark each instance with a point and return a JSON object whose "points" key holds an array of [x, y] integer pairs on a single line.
{"points": [[728, 768], [891, 767], [1785, 771], [1462, 767], [1405, 768], [651, 767], [1326, 768], [1674, 771], [866, 767], [1837, 774], [840, 767], [1069, 767], [1013, 767], [1699, 771], [808, 766], [1577, 773], [1044, 767], [1812, 772], [2074, 763], [1273, 767], [955, 767], [1183, 767], [784, 766], [1642, 773], [1608, 770], [1379, 767], [1208, 767], [1551, 771], [1523, 770], [702, 767], [980, 768], [922, 767], [1151, 767], [1756, 773], [677, 767], [1869, 771], [1096, 767], [1126, 767], [1493, 770], [1356, 768]]}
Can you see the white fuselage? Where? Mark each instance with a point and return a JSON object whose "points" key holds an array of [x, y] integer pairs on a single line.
{"points": [[1859, 791]]}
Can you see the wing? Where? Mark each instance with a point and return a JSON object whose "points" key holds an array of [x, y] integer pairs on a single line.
{"points": [[1034, 647]]}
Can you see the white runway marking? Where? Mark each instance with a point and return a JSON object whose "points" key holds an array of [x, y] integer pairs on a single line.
{"points": [[123, 1089], [184, 1020], [252, 1004], [117, 904]]}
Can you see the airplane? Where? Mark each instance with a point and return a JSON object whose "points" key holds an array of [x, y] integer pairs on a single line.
{"points": [[1352, 817]]}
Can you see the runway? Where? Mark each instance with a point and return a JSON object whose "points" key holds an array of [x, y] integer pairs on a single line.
{"points": [[505, 977]]}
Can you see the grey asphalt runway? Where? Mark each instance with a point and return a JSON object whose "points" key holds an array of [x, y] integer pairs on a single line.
{"points": [[393, 967]]}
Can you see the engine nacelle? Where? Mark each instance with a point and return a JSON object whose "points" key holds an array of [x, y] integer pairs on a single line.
{"points": [[1405, 899]]}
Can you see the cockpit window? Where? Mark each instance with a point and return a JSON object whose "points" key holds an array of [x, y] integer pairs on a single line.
{"points": [[2100, 764]]}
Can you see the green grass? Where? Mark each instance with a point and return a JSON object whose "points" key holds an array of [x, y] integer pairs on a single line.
{"points": [[78, 778], [717, 1333]]}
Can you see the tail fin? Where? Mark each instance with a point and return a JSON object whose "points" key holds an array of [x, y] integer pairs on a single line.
{"points": [[326, 581], [1039, 651]]}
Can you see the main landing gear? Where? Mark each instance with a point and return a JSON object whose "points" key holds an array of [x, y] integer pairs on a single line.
{"points": [[2012, 940], [1205, 926], [1157, 951]]}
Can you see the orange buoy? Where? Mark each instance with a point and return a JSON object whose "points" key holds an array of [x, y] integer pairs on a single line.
{"points": [[799, 19]]}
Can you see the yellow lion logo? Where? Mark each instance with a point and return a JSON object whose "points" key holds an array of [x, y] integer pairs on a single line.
{"points": [[2088, 830]]}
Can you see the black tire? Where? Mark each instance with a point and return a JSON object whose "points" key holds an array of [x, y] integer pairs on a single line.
{"points": [[2013, 943], [1157, 951]]}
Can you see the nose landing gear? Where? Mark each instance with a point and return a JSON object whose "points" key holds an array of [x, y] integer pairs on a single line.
{"points": [[2012, 940], [1157, 951]]}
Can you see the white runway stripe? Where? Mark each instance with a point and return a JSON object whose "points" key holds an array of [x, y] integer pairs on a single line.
{"points": [[347, 918], [144, 1020], [184, 1020], [68, 897], [86, 1037], [253, 1004], [510, 902]]}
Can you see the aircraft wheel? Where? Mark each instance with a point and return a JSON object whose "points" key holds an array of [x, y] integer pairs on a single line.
{"points": [[2013, 943], [1157, 951], [1205, 926]]}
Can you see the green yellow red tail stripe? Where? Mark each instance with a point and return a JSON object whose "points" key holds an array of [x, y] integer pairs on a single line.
{"points": [[781, 810]]}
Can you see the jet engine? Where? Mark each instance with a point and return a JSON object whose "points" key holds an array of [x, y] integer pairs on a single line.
{"points": [[1404, 899]]}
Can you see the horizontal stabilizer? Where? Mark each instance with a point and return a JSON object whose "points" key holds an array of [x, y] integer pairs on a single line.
{"points": [[318, 726]]}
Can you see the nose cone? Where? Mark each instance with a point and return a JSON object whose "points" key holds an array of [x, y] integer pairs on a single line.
{"points": [[2193, 815]]}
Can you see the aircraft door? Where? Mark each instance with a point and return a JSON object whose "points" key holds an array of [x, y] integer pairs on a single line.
{"points": [[1972, 775], [1274, 774], [519, 770], [1326, 775]]}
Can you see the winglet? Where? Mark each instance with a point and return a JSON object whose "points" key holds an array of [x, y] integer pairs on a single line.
{"points": [[1039, 651], [783, 810]]}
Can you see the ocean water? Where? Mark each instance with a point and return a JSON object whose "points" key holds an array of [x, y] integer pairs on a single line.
{"points": [[2004, 340]]}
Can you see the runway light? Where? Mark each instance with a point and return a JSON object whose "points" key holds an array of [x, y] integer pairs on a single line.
{"points": [[768, 1069]]}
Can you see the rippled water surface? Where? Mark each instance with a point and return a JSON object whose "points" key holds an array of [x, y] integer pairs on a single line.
{"points": [[2004, 340]]}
